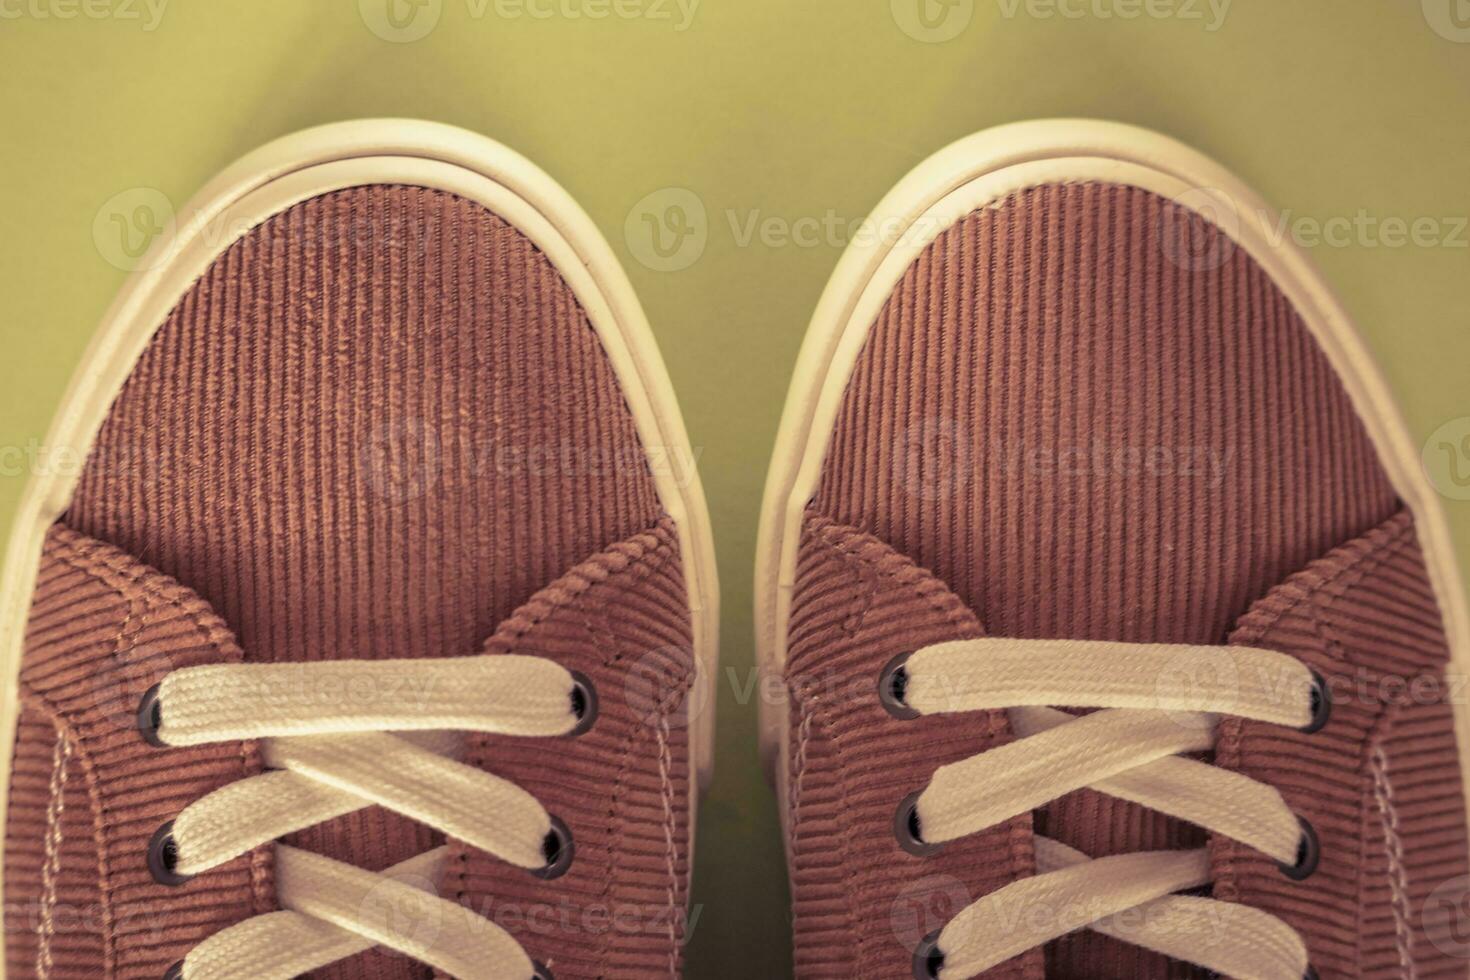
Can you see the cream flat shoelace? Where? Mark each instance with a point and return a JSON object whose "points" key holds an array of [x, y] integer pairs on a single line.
{"points": [[1158, 701], [339, 736]]}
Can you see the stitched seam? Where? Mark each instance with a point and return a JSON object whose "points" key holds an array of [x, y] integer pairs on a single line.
{"points": [[847, 553], [1374, 556], [834, 736], [665, 765], [934, 591], [144, 600], [803, 738], [149, 595], [41, 703], [1370, 560], [1398, 878], [109, 571], [100, 816], [651, 551], [614, 807], [649, 554], [641, 566], [939, 599], [51, 866], [1312, 607]]}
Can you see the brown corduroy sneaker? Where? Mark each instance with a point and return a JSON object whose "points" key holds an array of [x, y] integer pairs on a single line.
{"points": [[358, 642], [1120, 626]]}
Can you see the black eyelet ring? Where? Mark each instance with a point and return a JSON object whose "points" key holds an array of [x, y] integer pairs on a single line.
{"points": [[540, 972], [1321, 705], [928, 958], [584, 703], [163, 857], [906, 828], [893, 683], [1311, 973], [558, 849], [1308, 854], [150, 717], [175, 972]]}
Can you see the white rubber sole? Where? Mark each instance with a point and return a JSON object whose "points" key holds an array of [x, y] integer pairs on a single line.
{"points": [[981, 170], [333, 157]]}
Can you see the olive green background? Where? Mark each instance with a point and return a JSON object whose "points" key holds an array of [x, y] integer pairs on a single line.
{"points": [[766, 111]]}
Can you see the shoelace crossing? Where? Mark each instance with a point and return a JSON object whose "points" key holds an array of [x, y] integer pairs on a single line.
{"points": [[386, 736], [1158, 702]]}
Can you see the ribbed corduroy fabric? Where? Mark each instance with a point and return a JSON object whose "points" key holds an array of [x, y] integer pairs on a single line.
{"points": [[622, 619], [1381, 783], [1091, 415], [376, 426], [860, 903], [1086, 434], [87, 793]]}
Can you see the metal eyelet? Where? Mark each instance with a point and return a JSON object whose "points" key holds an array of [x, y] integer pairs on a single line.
{"points": [[150, 717], [1321, 705], [906, 828], [540, 972], [175, 972], [163, 857], [558, 848], [893, 683], [928, 958], [585, 704], [1311, 973], [1308, 854]]}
